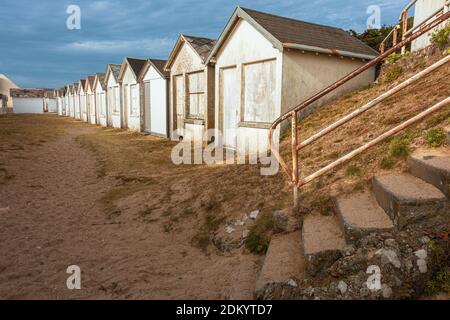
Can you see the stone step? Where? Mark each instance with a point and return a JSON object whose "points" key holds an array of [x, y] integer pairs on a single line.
{"points": [[408, 200], [283, 263], [323, 242], [360, 215], [432, 166]]}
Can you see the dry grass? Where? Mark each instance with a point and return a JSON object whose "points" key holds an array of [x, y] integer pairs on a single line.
{"points": [[390, 155], [18, 131], [206, 196]]}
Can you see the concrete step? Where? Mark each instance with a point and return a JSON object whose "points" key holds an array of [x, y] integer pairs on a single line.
{"points": [[284, 261], [323, 242], [432, 166], [361, 215], [409, 200]]}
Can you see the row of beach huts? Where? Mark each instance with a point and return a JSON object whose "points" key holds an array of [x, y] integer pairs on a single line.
{"points": [[261, 66]]}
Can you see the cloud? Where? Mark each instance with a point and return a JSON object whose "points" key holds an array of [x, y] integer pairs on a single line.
{"points": [[120, 46]]}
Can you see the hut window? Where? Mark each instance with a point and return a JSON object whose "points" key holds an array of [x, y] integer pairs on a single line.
{"points": [[134, 100], [116, 99], [259, 92], [196, 99]]}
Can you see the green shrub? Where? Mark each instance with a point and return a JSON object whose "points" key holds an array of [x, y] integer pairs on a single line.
{"points": [[393, 73], [393, 58], [446, 52], [399, 147], [353, 170], [441, 38], [387, 163], [435, 137], [258, 239]]}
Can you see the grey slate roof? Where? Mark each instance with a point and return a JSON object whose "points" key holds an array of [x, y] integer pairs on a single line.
{"points": [[159, 64], [288, 30], [202, 45]]}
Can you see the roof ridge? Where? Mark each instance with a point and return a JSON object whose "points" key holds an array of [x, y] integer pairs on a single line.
{"points": [[293, 19]]}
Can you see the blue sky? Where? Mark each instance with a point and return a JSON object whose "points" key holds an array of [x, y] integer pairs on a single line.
{"points": [[37, 49]]}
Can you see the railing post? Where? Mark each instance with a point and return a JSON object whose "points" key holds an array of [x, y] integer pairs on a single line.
{"points": [[395, 36], [294, 158], [404, 29]]}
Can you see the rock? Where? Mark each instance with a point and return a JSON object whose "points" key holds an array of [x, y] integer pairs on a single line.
{"points": [[425, 240], [349, 250], [391, 243], [389, 256], [229, 229], [421, 254], [386, 291], [422, 264], [283, 222], [343, 287], [245, 233], [253, 215], [239, 223], [291, 282]]}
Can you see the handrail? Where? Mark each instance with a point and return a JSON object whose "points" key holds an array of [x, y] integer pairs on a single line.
{"points": [[374, 102], [294, 174], [403, 25]]}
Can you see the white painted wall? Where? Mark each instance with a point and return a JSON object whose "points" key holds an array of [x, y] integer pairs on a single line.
{"points": [[114, 103], [51, 105], [28, 105], [76, 98], [187, 61], [131, 97], [244, 47], [100, 102], [423, 9], [157, 109], [305, 74]]}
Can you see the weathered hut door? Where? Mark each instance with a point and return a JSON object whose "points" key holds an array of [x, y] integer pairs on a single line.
{"points": [[147, 107], [230, 106], [179, 101]]}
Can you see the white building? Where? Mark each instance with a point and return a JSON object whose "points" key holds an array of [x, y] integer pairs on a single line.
{"points": [[265, 65], [82, 96], [425, 10], [100, 99], [154, 82], [66, 102], [50, 104], [191, 87], [71, 100], [128, 77], [28, 100], [90, 100], [76, 102], [60, 101], [114, 118]]}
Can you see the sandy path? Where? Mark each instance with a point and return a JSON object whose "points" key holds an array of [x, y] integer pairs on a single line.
{"points": [[54, 220]]}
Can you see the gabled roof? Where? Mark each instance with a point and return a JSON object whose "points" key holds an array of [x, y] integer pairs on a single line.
{"points": [[135, 65], [81, 85], [75, 88], [112, 70], [285, 32], [100, 77], [158, 65], [27, 93], [89, 83], [201, 45]]}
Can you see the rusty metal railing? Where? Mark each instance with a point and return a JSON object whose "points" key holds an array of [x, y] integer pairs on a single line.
{"points": [[293, 175], [403, 25]]}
